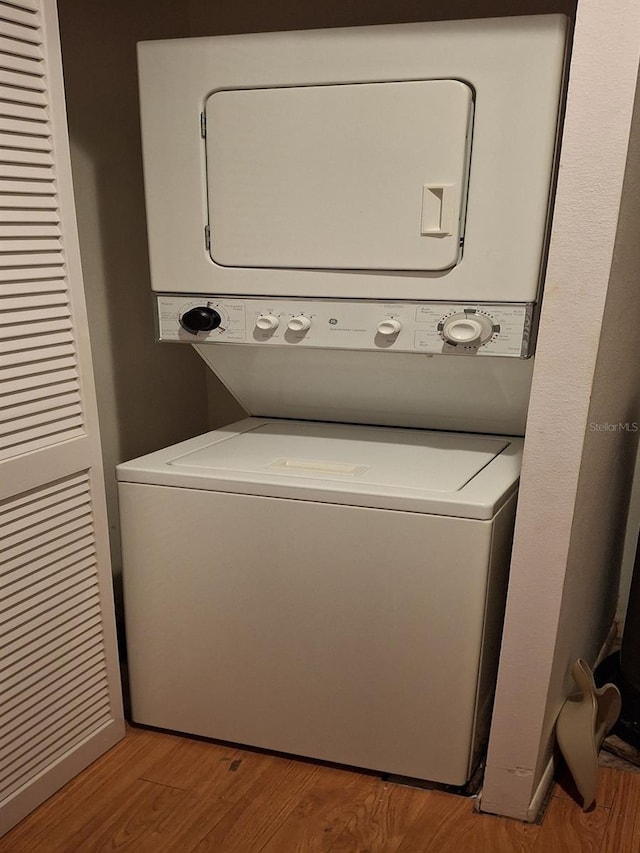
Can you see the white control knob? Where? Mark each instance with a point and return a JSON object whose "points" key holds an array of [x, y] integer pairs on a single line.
{"points": [[467, 329], [389, 327], [267, 322], [299, 324]]}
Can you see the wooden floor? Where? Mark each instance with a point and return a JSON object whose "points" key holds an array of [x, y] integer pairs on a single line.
{"points": [[156, 792]]}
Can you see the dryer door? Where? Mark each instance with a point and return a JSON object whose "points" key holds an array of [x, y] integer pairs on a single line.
{"points": [[294, 181]]}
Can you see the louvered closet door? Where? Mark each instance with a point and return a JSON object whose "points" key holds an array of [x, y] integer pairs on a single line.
{"points": [[60, 704]]}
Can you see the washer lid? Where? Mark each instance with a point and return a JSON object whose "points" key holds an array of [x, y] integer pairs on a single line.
{"points": [[294, 181], [376, 457], [415, 470]]}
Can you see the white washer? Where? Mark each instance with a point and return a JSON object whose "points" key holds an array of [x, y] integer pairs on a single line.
{"points": [[325, 590]]}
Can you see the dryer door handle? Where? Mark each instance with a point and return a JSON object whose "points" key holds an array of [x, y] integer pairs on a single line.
{"points": [[439, 210]]}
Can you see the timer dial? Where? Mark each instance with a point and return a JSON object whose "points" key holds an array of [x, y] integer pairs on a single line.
{"points": [[471, 330], [202, 318]]}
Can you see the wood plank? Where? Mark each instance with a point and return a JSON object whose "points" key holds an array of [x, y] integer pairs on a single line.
{"points": [[608, 781], [204, 768], [622, 833], [218, 783], [138, 815], [449, 825], [253, 819], [567, 829], [87, 795], [161, 793], [382, 823], [323, 812]]}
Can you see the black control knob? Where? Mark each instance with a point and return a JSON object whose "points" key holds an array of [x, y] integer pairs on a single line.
{"points": [[200, 319]]}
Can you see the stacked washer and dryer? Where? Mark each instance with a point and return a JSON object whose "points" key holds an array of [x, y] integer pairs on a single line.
{"points": [[349, 225]]}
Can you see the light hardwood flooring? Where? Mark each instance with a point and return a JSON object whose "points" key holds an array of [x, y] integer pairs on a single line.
{"points": [[160, 793]]}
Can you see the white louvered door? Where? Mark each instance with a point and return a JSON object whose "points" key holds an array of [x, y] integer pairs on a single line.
{"points": [[60, 703]]}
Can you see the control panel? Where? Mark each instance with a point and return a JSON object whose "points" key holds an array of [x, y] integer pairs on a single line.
{"points": [[499, 329]]}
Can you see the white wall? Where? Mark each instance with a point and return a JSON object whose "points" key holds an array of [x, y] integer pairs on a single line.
{"points": [[575, 479]]}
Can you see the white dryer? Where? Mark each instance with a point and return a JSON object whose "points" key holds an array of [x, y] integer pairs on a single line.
{"points": [[357, 202], [325, 590]]}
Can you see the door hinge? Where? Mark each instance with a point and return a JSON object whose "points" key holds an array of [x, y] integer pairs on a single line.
{"points": [[207, 237], [203, 125]]}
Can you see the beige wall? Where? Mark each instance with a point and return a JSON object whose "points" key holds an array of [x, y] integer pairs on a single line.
{"points": [[575, 479], [207, 18], [149, 395], [609, 455]]}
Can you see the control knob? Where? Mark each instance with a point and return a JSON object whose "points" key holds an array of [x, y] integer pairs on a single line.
{"points": [[389, 328], [200, 319], [299, 324], [469, 330], [267, 322]]}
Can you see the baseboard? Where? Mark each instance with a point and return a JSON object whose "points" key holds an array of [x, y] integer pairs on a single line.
{"points": [[539, 799]]}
